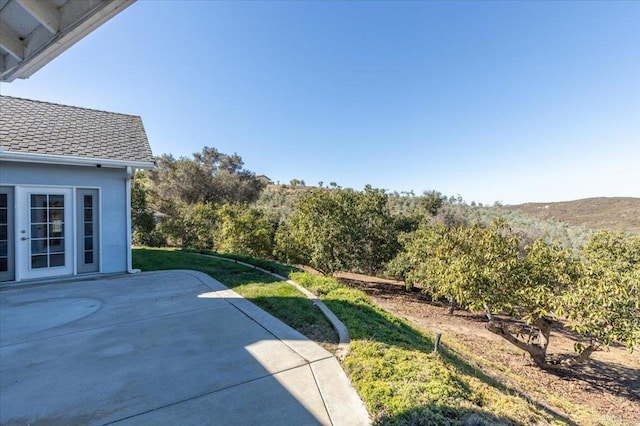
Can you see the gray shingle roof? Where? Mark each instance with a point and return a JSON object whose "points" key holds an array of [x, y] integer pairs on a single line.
{"points": [[28, 126]]}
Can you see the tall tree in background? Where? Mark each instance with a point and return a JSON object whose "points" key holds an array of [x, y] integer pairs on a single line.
{"points": [[210, 177], [188, 192]]}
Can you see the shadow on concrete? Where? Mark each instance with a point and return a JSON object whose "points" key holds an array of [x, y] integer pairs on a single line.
{"points": [[147, 349]]}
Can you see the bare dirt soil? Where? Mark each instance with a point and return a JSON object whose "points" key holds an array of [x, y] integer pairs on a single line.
{"points": [[609, 383]]}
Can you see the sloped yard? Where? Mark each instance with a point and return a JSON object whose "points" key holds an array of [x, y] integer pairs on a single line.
{"points": [[392, 364], [605, 391]]}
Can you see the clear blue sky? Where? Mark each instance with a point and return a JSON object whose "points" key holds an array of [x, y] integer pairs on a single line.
{"points": [[510, 101]]}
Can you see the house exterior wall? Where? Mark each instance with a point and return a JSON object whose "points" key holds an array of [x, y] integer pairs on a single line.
{"points": [[111, 183]]}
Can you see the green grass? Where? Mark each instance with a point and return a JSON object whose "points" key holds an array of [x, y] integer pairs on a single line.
{"points": [[267, 265], [391, 363], [402, 382], [279, 298]]}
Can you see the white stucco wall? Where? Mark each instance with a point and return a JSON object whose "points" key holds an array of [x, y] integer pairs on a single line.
{"points": [[112, 185]]}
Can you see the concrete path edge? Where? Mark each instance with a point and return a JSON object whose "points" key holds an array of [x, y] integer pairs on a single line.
{"points": [[342, 402], [343, 334]]}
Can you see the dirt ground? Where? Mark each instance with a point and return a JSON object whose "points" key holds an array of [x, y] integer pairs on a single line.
{"points": [[609, 383]]}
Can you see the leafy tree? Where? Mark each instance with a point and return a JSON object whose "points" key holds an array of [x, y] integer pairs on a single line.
{"points": [[376, 236], [340, 230], [604, 306], [483, 269], [210, 177], [432, 201], [544, 275], [245, 230], [321, 229], [141, 214], [190, 225]]}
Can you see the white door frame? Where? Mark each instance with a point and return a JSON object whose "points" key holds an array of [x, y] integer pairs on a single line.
{"points": [[23, 230]]}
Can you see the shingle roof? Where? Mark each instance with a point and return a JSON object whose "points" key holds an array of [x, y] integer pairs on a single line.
{"points": [[28, 126]]}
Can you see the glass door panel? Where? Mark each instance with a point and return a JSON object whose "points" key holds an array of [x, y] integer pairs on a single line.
{"points": [[47, 231], [46, 243], [88, 230]]}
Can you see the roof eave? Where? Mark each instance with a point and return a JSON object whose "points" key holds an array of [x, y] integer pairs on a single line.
{"points": [[28, 157], [90, 15]]}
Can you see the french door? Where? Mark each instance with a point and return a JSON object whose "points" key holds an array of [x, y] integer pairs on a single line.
{"points": [[45, 232]]}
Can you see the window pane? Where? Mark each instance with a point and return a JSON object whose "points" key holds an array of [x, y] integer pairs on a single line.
{"points": [[38, 246], [88, 201], [56, 214], [88, 229], [56, 229], [56, 245], [4, 200], [56, 260], [88, 243], [39, 201], [88, 257], [38, 215], [39, 231], [3, 215], [3, 232], [4, 248], [4, 265], [39, 261], [56, 201], [88, 215]]}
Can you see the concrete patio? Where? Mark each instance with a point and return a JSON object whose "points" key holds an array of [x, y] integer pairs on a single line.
{"points": [[173, 347]]}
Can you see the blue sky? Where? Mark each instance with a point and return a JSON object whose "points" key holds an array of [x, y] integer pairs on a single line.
{"points": [[509, 101]]}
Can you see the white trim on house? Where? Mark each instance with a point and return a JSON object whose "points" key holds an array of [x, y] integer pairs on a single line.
{"points": [[27, 157], [74, 196], [130, 174]]}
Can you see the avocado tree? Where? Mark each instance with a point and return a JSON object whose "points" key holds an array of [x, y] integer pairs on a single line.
{"points": [[339, 230], [483, 269], [604, 305], [244, 230]]}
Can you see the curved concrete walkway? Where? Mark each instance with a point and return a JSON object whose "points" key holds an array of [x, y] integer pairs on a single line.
{"points": [[344, 341], [171, 347]]}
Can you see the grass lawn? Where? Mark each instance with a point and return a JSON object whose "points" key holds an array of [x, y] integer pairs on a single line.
{"points": [[391, 363], [278, 268], [401, 380]]}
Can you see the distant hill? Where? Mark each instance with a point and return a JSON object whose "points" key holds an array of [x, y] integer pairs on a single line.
{"points": [[614, 214]]}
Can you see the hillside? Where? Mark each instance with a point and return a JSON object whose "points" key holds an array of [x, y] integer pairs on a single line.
{"points": [[609, 213]]}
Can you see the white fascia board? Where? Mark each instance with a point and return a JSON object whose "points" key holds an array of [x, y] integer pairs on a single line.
{"points": [[25, 157]]}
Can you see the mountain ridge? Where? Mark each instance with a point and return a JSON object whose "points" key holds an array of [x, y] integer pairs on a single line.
{"points": [[615, 214]]}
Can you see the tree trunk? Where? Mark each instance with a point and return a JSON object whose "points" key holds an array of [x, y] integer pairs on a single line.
{"points": [[452, 306], [538, 352], [545, 333], [585, 355]]}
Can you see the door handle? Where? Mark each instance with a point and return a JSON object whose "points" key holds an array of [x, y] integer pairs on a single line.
{"points": [[24, 238]]}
